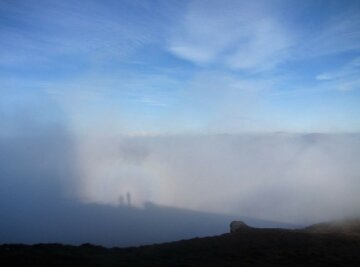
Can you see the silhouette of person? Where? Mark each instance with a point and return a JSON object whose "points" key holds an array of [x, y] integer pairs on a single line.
{"points": [[128, 199], [121, 200]]}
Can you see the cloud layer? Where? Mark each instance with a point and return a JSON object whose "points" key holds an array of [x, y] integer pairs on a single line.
{"points": [[292, 178]]}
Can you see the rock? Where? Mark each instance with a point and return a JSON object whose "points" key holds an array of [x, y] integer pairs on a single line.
{"points": [[237, 226]]}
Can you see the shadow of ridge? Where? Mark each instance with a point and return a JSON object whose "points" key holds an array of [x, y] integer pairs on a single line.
{"points": [[77, 223]]}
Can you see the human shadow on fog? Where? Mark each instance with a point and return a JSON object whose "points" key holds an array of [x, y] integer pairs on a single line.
{"points": [[75, 223], [37, 169]]}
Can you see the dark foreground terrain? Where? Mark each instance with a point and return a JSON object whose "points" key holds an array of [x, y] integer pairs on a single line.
{"points": [[318, 245]]}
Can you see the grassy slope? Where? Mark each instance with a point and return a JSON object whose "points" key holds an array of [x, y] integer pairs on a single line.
{"points": [[252, 247]]}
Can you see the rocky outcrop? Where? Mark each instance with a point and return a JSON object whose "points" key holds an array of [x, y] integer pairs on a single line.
{"points": [[238, 226]]}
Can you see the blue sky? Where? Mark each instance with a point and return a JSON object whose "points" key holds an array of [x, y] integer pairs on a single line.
{"points": [[149, 67]]}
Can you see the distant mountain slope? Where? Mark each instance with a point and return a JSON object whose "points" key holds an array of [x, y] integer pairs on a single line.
{"points": [[255, 247], [110, 226], [351, 226]]}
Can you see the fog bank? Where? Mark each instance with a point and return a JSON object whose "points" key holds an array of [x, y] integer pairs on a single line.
{"points": [[53, 181], [298, 178]]}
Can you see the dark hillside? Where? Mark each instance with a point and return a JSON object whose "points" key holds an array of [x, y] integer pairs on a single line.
{"points": [[254, 247]]}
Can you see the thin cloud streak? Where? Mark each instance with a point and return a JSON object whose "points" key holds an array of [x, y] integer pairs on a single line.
{"points": [[339, 34], [238, 35], [345, 78], [69, 29]]}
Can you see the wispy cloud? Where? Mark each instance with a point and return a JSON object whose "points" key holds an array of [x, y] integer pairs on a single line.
{"points": [[339, 33], [259, 36], [237, 34], [94, 31], [345, 78], [246, 59]]}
